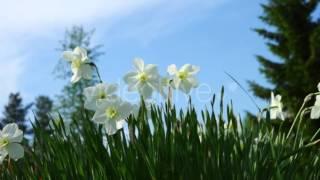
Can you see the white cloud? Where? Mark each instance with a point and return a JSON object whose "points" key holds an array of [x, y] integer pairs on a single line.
{"points": [[20, 15], [26, 21]]}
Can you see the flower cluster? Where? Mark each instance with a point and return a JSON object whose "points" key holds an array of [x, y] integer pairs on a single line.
{"points": [[112, 111]]}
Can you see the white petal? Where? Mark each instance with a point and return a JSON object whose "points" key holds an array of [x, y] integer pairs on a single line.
{"points": [[17, 137], [176, 82], [111, 127], [315, 112], [90, 94], [99, 117], [318, 86], [12, 132], [86, 71], [68, 56], [272, 97], [278, 98], [273, 113], [193, 81], [80, 51], [10, 129], [151, 69], [75, 78], [194, 70], [139, 64], [185, 86], [134, 87], [172, 69], [111, 88], [15, 151], [130, 78], [145, 91], [89, 91], [186, 68], [125, 110], [91, 104], [120, 124], [317, 103]]}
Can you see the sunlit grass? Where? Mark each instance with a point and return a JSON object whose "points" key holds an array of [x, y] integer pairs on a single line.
{"points": [[167, 143]]}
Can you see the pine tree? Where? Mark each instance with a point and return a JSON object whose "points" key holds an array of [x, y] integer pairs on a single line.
{"points": [[15, 112], [293, 37], [70, 101], [43, 107]]}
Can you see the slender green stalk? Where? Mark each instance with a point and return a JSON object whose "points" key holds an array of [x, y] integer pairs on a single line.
{"points": [[306, 99], [97, 71]]}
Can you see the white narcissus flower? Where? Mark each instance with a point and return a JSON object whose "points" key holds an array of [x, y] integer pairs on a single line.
{"points": [[184, 78], [276, 107], [79, 64], [94, 95], [10, 137], [113, 114], [315, 110], [145, 79]]}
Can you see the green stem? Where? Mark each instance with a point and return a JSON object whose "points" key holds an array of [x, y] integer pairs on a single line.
{"points": [[299, 150], [306, 99], [299, 124], [170, 96], [97, 70]]}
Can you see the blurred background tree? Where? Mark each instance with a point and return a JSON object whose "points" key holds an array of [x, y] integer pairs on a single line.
{"points": [[43, 107], [16, 112], [293, 36], [70, 101]]}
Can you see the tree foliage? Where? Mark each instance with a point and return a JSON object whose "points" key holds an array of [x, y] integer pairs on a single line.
{"points": [[15, 112], [293, 36], [43, 106]]}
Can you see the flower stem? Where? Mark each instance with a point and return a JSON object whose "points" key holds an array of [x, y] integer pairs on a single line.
{"points": [[306, 99], [299, 124], [97, 70], [170, 96]]}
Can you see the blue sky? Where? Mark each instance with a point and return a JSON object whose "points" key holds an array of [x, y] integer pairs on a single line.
{"points": [[213, 34]]}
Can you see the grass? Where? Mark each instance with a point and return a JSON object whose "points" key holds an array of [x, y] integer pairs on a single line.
{"points": [[167, 143]]}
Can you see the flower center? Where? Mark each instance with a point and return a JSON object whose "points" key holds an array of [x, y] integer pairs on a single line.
{"points": [[102, 95], [76, 63], [183, 75], [111, 112], [3, 142], [143, 77]]}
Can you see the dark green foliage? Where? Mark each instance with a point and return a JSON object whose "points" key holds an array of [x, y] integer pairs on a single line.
{"points": [[293, 36], [43, 107], [70, 100], [168, 144], [15, 112]]}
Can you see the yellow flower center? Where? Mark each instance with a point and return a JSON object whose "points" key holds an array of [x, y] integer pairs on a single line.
{"points": [[143, 77], [102, 95], [76, 63], [3, 142], [111, 112], [183, 75]]}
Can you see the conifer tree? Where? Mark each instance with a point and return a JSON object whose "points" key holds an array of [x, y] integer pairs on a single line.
{"points": [[293, 36], [15, 112], [43, 106]]}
